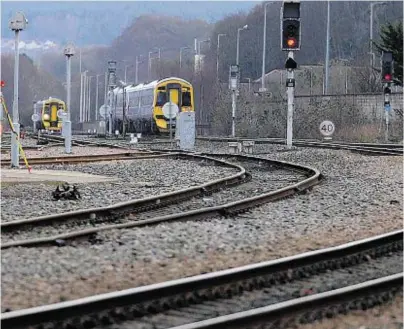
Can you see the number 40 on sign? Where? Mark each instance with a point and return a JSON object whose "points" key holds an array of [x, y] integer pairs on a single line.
{"points": [[327, 128]]}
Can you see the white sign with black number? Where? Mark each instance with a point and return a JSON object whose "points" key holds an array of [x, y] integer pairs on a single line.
{"points": [[35, 117], [327, 128]]}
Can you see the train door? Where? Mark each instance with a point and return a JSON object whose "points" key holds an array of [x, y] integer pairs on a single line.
{"points": [[54, 115], [175, 94]]}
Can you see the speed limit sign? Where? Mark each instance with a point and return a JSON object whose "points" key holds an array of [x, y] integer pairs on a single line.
{"points": [[327, 128]]}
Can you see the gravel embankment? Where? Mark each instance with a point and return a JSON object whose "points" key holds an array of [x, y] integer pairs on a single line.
{"points": [[137, 179], [361, 197]]}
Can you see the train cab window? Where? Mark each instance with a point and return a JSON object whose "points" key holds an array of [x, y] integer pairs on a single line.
{"points": [[161, 98], [186, 98]]}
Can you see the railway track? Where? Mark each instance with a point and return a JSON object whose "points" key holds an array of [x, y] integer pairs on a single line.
{"points": [[277, 293], [89, 158], [271, 186], [365, 148]]}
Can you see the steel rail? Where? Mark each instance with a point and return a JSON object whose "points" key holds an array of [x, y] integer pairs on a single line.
{"points": [[328, 303], [377, 149], [138, 204], [183, 287], [91, 158], [232, 208]]}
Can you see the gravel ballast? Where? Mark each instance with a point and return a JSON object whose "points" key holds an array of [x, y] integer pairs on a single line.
{"points": [[137, 179], [361, 197]]}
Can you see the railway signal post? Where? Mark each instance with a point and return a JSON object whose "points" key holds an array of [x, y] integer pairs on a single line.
{"points": [[387, 79], [111, 87], [67, 124], [290, 42], [234, 78], [17, 24]]}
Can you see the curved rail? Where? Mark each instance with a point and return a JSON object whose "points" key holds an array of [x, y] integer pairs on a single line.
{"points": [[227, 282], [314, 177], [122, 208]]}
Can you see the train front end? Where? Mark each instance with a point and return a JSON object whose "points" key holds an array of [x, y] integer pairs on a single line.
{"points": [[50, 108], [172, 95]]}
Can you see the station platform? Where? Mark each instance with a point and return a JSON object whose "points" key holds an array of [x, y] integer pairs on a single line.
{"points": [[20, 176]]}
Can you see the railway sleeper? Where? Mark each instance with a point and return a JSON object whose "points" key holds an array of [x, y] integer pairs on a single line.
{"points": [[228, 290]]}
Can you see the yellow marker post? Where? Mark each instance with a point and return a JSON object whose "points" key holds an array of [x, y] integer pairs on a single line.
{"points": [[12, 129]]}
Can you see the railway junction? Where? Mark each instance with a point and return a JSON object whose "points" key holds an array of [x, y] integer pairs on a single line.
{"points": [[241, 232], [138, 223]]}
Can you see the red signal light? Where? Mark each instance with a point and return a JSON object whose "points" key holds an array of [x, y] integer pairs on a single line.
{"points": [[291, 42], [387, 77], [2, 83]]}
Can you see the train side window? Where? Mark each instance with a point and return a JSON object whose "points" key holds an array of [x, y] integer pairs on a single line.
{"points": [[186, 99], [161, 98]]}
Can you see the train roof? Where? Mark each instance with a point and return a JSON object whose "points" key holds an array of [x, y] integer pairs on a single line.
{"points": [[145, 86], [50, 99]]}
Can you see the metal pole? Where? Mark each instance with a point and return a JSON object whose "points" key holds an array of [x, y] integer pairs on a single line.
{"points": [[291, 95], [35, 110], [238, 47], [84, 96], [386, 110], [15, 154], [137, 70], [81, 91], [169, 110], [67, 125], [371, 35], [148, 69], [81, 98], [106, 88], [89, 100], [96, 96], [180, 58], [233, 115], [68, 87], [264, 47], [125, 73], [217, 55], [327, 49]]}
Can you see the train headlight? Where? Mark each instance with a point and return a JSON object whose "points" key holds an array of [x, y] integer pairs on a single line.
{"points": [[46, 117]]}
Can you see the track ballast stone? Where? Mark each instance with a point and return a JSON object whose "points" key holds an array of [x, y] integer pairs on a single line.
{"points": [[360, 197], [137, 179]]}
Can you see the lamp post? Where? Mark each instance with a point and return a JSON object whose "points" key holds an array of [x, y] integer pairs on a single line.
{"points": [[264, 47], [17, 24], [89, 99], [181, 49], [372, 55], [199, 45], [245, 27], [67, 129], [327, 49], [96, 95], [217, 55], [149, 64], [137, 69]]}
